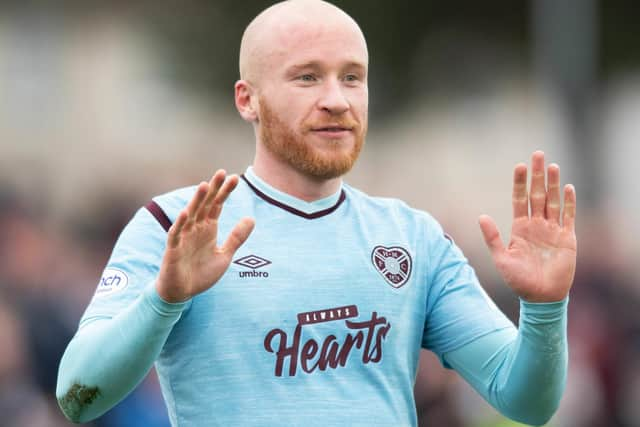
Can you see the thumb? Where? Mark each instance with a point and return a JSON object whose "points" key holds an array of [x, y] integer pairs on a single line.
{"points": [[239, 235], [491, 235]]}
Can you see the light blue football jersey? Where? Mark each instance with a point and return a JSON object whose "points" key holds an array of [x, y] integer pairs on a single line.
{"points": [[320, 318]]}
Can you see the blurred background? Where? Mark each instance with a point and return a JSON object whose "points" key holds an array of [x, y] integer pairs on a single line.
{"points": [[104, 104]]}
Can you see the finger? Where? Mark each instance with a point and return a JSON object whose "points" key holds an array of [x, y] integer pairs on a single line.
{"points": [[173, 238], [227, 187], [538, 193], [239, 235], [552, 210], [491, 235], [214, 185], [569, 218], [196, 200], [520, 201]]}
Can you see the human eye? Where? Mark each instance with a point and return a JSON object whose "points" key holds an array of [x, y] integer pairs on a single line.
{"points": [[307, 78], [352, 79]]}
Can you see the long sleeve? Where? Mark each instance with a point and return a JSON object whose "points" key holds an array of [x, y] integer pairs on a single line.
{"points": [[521, 373], [109, 357]]}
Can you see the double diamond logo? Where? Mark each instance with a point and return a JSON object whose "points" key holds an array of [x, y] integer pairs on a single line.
{"points": [[253, 262]]}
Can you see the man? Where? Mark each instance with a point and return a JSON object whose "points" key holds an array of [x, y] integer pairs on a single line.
{"points": [[317, 316]]}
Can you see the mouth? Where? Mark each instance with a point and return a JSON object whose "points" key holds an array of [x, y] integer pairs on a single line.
{"points": [[332, 131]]}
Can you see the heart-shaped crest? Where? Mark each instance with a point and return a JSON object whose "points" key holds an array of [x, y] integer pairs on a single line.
{"points": [[393, 263]]}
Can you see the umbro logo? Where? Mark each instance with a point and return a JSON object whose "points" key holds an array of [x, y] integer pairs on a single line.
{"points": [[253, 262]]}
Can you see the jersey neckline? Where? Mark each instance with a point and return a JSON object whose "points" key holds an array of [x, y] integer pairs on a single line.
{"points": [[293, 205]]}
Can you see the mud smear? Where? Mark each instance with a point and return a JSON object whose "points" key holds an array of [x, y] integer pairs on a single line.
{"points": [[77, 399]]}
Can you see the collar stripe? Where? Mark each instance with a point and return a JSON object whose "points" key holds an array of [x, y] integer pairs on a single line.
{"points": [[295, 211]]}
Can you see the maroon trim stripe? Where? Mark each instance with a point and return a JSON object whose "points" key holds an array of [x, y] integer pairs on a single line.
{"points": [[295, 211], [159, 215]]}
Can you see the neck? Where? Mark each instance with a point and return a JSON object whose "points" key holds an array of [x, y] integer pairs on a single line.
{"points": [[283, 177]]}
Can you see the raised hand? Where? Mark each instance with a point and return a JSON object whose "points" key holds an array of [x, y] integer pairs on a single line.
{"points": [[193, 262], [540, 260]]}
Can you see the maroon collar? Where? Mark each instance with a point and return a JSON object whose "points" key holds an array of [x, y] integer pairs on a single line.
{"points": [[292, 210]]}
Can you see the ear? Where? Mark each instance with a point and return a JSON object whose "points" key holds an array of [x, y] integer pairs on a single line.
{"points": [[245, 100]]}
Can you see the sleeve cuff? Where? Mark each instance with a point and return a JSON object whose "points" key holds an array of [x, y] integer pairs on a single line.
{"points": [[544, 312], [162, 307]]}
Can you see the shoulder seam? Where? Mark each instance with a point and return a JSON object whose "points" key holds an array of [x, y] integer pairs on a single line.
{"points": [[159, 214]]}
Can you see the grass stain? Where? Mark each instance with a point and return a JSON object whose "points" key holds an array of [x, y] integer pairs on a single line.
{"points": [[77, 399]]}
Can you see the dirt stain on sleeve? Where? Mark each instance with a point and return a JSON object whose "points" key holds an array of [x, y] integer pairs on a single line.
{"points": [[77, 399]]}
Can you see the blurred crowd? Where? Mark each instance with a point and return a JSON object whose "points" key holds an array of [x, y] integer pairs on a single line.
{"points": [[48, 273], [47, 277]]}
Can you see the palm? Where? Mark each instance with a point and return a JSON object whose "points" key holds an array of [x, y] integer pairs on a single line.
{"points": [[193, 260], [539, 261], [197, 260]]}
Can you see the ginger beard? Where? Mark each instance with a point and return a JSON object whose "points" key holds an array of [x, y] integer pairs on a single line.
{"points": [[321, 164]]}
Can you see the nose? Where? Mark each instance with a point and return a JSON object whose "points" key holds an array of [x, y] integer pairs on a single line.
{"points": [[333, 99]]}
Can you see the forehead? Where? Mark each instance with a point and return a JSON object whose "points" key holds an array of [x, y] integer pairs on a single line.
{"points": [[304, 41]]}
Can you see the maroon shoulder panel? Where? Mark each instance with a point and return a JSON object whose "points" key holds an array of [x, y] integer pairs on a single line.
{"points": [[159, 215]]}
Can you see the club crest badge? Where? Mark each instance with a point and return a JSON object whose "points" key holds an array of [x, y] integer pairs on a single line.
{"points": [[393, 263]]}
